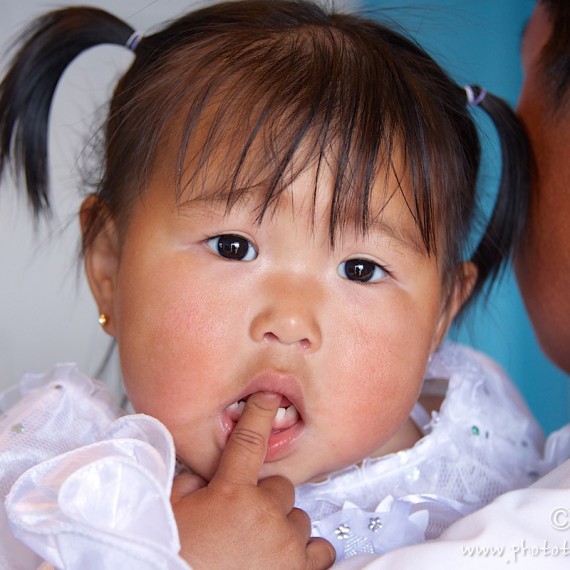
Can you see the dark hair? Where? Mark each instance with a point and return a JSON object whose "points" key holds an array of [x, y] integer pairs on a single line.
{"points": [[275, 86], [555, 56]]}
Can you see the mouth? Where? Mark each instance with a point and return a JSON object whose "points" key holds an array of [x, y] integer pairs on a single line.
{"points": [[287, 426], [287, 414]]}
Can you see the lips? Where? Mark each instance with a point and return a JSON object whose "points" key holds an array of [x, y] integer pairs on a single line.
{"points": [[287, 414], [289, 423]]}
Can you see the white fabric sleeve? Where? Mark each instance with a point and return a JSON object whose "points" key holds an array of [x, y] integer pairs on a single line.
{"points": [[105, 505], [43, 416], [527, 528]]}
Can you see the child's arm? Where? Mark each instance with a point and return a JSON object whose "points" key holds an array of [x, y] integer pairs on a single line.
{"points": [[237, 521]]}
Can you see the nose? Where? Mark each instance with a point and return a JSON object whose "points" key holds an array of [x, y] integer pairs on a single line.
{"points": [[288, 316]]}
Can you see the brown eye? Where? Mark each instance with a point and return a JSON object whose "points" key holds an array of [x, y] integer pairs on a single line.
{"points": [[361, 270], [232, 247]]}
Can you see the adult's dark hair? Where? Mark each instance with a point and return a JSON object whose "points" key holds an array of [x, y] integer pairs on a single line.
{"points": [[555, 56], [257, 90]]}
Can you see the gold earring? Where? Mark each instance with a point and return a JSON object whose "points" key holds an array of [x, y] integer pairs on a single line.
{"points": [[103, 319]]}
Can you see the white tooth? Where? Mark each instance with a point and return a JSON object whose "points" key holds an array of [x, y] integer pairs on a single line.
{"points": [[280, 414], [234, 406], [241, 405], [292, 412]]}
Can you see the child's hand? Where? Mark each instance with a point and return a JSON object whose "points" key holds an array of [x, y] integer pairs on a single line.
{"points": [[237, 521]]}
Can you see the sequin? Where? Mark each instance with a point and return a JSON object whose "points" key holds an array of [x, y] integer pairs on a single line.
{"points": [[342, 531], [18, 428], [475, 430], [375, 524]]}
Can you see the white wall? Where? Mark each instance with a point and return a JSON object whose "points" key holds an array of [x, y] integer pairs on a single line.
{"points": [[46, 311]]}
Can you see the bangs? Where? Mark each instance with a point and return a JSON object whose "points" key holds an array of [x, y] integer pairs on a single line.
{"points": [[242, 103], [252, 136]]}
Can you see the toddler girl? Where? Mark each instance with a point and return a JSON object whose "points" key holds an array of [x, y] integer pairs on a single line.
{"points": [[281, 222]]}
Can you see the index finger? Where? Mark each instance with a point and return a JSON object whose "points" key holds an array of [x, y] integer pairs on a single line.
{"points": [[246, 448]]}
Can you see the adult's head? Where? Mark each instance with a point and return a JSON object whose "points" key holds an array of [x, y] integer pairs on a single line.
{"points": [[543, 265]]}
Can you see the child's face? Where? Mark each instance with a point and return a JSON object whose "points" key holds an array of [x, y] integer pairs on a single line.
{"points": [[197, 332]]}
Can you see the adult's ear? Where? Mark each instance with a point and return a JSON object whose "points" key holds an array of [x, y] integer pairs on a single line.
{"points": [[100, 256], [463, 283]]}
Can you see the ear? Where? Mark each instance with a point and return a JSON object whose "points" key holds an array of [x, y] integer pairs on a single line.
{"points": [[101, 258], [463, 283]]}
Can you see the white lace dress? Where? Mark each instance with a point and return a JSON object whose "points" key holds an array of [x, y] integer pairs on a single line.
{"points": [[88, 490]]}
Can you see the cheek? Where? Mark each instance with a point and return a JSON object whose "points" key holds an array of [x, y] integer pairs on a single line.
{"points": [[387, 391], [391, 339], [383, 365], [172, 335]]}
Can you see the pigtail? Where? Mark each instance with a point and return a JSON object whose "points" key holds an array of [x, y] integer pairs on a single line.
{"points": [[48, 46], [506, 223]]}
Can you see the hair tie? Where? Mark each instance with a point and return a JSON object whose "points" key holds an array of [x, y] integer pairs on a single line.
{"points": [[473, 101], [134, 40]]}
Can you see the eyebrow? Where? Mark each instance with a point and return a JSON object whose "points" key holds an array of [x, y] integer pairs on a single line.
{"points": [[401, 234]]}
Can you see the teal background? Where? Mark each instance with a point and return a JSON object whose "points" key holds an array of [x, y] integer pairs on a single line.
{"points": [[479, 42]]}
